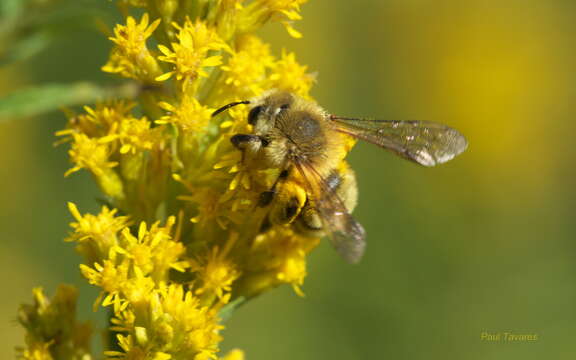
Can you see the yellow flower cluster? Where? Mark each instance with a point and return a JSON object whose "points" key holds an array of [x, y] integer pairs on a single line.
{"points": [[179, 245]]}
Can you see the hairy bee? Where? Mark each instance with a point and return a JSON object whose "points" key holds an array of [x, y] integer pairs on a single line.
{"points": [[316, 190]]}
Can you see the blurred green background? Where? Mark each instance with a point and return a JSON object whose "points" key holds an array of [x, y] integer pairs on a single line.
{"points": [[485, 243]]}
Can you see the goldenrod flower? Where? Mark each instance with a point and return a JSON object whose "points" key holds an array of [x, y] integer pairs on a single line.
{"points": [[189, 55], [111, 278], [94, 155], [99, 121], [96, 235], [137, 134], [181, 238], [172, 325], [246, 69], [285, 11], [132, 36], [215, 273], [290, 76], [153, 251], [131, 58], [90, 154], [190, 116], [52, 331]]}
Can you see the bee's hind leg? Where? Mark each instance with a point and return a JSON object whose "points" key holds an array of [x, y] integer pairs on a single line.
{"points": [[342, 183], [286, 206], [309, 222]]}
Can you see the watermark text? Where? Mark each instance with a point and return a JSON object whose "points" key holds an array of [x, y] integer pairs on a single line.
{"points": [[508, 336]]}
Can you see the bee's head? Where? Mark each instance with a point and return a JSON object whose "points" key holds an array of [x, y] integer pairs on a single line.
{"points": [[266, 109]]}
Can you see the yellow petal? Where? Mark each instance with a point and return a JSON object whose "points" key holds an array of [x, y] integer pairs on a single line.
{"points": [[293, 32], [165, 76]]}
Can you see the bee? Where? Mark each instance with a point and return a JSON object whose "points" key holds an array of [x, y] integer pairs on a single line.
{"points": [[315, 190]]}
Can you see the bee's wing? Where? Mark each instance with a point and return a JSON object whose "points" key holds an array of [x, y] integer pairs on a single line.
{"points": [[345, 233], [424, 142]]}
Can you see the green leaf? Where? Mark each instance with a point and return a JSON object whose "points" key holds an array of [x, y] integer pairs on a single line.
{"points": [[10, 8], [27, 27], [26, 48], [45, 98]]}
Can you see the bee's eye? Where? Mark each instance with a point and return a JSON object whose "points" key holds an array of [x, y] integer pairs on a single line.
{"points": [[253, 114]]}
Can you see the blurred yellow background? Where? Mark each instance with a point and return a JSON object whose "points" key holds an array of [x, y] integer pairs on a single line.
{"points": [[485, 243]]}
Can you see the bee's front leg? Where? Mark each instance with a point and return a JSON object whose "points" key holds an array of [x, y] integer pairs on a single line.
{"points": [[250, 145], [247, 142]]}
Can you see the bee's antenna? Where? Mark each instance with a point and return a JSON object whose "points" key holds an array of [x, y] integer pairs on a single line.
{"points": [[226, 107]]}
